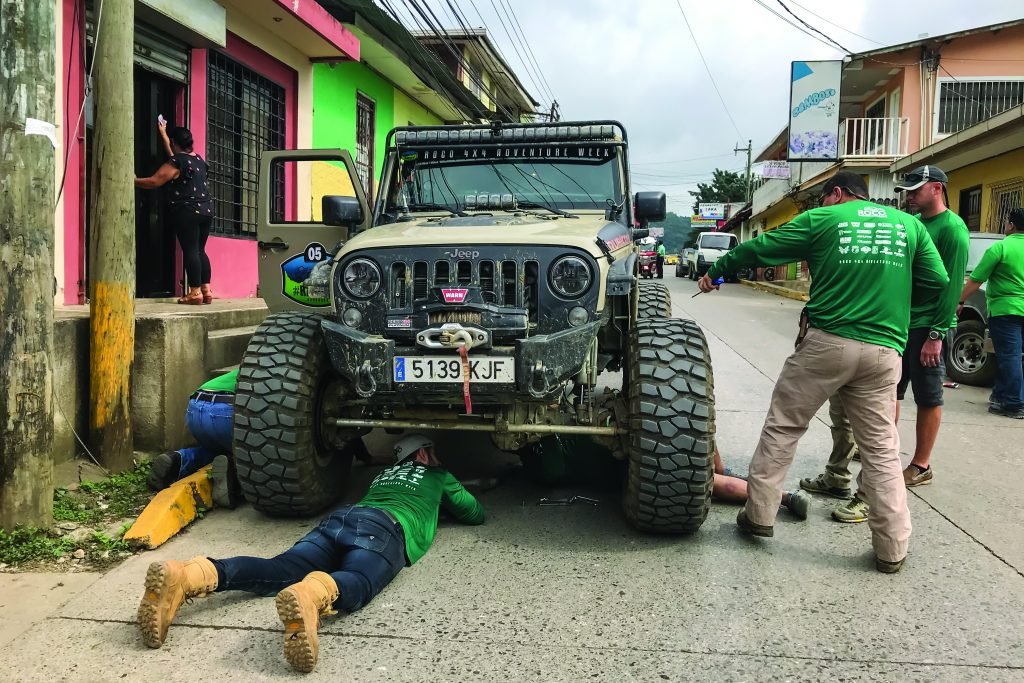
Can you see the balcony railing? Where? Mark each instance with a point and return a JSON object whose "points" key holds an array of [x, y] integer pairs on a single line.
{"points": [[886, 137]]}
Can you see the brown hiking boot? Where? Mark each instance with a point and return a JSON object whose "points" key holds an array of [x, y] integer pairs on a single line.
{"points": [[300, 607], [168, 584]]}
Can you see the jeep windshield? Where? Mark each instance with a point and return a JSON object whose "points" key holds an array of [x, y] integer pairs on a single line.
{"points": [[558, 178]]}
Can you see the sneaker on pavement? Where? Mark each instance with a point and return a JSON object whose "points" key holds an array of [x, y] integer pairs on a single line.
{"points": [[226, 491], [820, 484], [799, 503], [1016, 414], [887, 567], [163, 470], [915, 476], [853, 512], [749, 527]]}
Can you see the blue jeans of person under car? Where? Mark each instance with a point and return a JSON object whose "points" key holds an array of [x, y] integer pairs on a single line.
{"points": [[362, 548], [1007, 332], [209, 418]]}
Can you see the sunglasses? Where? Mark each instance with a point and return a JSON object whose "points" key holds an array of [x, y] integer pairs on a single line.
{"points": [[846, 190]]}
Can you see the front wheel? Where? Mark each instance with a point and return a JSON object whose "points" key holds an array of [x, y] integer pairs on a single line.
{"points": [[655, 301], [287, 462], [967, 361], [671, 414]]}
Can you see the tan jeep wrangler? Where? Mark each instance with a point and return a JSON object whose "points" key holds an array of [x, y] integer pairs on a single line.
{"points": [[492, 287]]}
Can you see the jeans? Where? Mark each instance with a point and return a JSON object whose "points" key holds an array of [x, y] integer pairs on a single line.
{"points": [[362, 549], [210, 423], [1007, 332]]}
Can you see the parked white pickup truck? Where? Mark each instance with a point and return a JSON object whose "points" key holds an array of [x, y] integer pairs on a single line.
{"points": [[710, 245]]}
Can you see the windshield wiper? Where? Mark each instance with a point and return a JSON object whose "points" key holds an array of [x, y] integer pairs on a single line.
{"points": [[552, 209], [435, 207]]}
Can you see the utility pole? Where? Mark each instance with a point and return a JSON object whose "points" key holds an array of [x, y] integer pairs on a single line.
{"points": [[748, 149], [112, 239], [27, 49]]}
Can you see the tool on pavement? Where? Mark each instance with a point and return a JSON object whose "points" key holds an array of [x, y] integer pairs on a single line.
{"points": [[568, 501]]}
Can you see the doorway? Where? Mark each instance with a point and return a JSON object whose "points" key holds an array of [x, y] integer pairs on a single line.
{"points": [[154, 236]]}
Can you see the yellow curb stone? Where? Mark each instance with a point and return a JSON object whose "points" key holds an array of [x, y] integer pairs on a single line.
{"points": [[776, 290], [171, 510]]}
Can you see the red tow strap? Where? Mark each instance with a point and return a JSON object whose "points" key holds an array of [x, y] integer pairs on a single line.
{"points": [[464, 353]]}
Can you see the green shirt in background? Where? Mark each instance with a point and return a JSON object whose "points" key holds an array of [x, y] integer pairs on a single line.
{"points": [[865, 259], [413, 493], [661, 250], [950, 235], [1003, 266], [225, 383]]}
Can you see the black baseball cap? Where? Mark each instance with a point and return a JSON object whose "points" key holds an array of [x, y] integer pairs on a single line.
{"points": [[921, 175]]}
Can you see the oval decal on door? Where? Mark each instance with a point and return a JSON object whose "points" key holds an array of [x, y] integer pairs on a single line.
{"points": [[296, 270]]}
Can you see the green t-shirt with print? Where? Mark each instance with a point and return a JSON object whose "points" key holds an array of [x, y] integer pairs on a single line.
{"points": [[414, 493], [1003, 267], [950, 235], [864, 259]]}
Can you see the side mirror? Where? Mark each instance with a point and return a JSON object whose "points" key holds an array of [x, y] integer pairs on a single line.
{"points": [[649, 206], [640, 233], [343, 212]]}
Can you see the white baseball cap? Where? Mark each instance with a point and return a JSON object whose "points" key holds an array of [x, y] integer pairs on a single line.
{"points": [[410, 445]]}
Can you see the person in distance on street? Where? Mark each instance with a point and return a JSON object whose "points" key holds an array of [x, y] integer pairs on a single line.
{"points": [[339, 566]]}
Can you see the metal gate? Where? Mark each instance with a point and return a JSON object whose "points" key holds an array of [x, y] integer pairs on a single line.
{"points": [[153, 49], [366, 116]]}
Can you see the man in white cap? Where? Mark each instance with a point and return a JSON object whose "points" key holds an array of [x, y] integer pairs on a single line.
{"points": [[340, 565]]}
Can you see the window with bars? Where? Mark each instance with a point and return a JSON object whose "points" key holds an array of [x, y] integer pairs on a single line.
{"points": [[366, 124], [245, 116], [964, 103], [1006, 197], [970, 207]]}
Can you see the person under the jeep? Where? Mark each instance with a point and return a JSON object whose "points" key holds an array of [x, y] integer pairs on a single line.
{"points": [[339, 566]]}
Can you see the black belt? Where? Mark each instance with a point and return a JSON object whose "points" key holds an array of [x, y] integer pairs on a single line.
{"points": [[213, 397]]}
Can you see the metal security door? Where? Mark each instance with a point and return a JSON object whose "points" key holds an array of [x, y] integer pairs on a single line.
{"points": [[366, 117]]}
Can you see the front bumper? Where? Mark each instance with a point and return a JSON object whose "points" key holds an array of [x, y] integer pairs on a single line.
{"points": [[542, 363]]}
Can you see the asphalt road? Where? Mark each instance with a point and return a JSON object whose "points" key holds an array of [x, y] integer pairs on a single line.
{"points": [[571, 593]]}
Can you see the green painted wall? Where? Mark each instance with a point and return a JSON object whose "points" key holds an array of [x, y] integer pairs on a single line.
{"points": [[407, 110]]}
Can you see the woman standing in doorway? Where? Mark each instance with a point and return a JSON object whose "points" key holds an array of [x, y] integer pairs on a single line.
{"points": [[190, 208]]}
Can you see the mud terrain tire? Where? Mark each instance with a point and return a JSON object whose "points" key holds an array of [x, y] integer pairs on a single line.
{"points": [[655, 301], [672, 427], [284, 466]]}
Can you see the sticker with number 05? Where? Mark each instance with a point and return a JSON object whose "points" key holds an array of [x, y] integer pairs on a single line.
{"points": [[489, 369]]}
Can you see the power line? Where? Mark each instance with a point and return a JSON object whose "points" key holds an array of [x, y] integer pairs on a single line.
{"points": [[796, 26], [508, 34], [679, 161], [529, 48], [832, 23], [812, 28], [708, 69]]}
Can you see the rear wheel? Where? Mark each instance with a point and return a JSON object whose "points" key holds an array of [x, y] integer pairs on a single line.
{"points": [[288, 462], [655, 301], [671, 427], [967, 361]]}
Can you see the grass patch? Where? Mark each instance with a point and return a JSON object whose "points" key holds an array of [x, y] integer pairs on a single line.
{"points": [[95, 507]]}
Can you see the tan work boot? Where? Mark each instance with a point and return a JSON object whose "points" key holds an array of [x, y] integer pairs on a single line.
{"points": [[300, 607], [168, 584]]}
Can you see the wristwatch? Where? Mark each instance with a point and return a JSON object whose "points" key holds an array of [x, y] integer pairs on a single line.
{"points": [[934, 335]]}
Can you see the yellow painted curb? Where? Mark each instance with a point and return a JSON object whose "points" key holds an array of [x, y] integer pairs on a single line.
{"points": [[172, 510], [776, 290]]}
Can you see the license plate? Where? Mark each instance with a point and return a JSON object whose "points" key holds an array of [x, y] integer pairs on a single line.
{"points": [[486, 369]]}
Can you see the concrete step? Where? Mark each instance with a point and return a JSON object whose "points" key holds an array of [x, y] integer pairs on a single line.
{"points": [[225, 347]]}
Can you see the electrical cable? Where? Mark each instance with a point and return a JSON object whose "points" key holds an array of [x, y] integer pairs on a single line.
{"points": [[514, 22], [708, 69], [679, 161], [529, 49], [812, 28], [832, 23], [508, 34]]}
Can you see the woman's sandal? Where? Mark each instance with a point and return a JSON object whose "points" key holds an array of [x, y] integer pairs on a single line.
{"points": [[208, 297], [191, 299]]}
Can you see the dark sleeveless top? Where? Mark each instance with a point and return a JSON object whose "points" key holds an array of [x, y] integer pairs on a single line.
{"points": [[189, 191]]}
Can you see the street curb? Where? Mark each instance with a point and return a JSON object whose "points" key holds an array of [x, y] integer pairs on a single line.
{"points": [[171, 510], [776, 290]]}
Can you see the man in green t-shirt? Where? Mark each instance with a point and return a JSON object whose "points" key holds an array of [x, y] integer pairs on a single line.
{"points": [[341, 565], [865, 260], [660, 253], [1003, 267], [924, 368]]}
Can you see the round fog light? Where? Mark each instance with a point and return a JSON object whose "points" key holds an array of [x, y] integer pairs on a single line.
{"points": [[352, 317], [578, 316]]}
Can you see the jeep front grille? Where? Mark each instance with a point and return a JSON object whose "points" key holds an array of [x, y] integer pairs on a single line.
{"points": [[504, 283]]}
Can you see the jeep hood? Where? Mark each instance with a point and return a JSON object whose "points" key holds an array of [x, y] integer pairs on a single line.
{"points": [[484, 230]]}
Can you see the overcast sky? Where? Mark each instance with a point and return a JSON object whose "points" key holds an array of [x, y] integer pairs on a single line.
{"points": [[635, 61]]}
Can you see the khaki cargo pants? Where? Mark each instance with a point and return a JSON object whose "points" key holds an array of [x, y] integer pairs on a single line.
{"points": [[865, 376]]}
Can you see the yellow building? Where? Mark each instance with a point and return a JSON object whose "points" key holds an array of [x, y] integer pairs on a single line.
{"points": [[985, 165]]}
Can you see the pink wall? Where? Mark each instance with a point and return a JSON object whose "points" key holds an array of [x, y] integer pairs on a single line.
{"points": [[74, 182], [233, 263]]}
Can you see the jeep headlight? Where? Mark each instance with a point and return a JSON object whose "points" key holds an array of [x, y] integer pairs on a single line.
{"points": [[361, 278], [570, 276]]}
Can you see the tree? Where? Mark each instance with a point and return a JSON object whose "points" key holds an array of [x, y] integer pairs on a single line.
{"points": [[678, 232], [725, 186]]}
